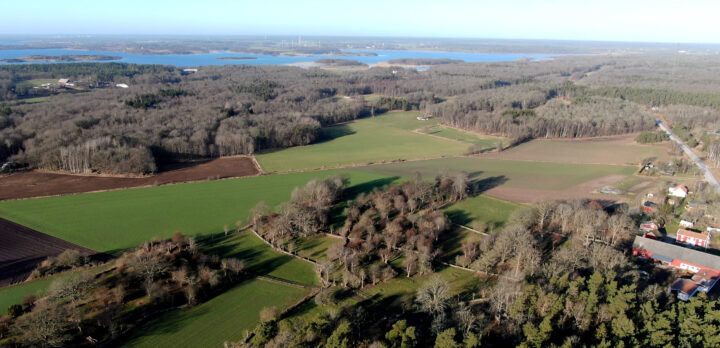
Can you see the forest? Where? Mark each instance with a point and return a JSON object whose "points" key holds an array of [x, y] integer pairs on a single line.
{"points": [[169, 115]]}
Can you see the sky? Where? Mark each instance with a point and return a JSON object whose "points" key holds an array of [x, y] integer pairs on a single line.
{"points": [[609, 20]]}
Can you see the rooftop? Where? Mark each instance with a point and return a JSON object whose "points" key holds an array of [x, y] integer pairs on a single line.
{"points": [[671, 251]]}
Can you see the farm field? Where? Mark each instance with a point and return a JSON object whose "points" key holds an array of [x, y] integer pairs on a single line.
{"points": [[611, 150], [460, 135], [38, 183], [517, 181], [22, 249], [115, 220], [223, 318], [385, 137], [518, 174]]}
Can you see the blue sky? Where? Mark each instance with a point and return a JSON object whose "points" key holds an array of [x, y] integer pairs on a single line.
{"points": [[616, 20]]}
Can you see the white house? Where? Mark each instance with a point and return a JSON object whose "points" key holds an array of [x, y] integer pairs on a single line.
{"points": [[679, 191], [686, 224], [122, 85]]}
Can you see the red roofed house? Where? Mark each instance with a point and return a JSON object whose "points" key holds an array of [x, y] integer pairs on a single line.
{"points": [[700, 239], [680, 191]]}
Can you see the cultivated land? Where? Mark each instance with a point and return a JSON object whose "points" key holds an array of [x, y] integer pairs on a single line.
{"points": [[39, 183], [518, 181], [224, 318], [609, 150], [22, 249], [115, 220], [385, 137]]}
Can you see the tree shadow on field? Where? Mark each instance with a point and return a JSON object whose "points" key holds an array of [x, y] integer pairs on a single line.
{"points": [[332, 133], [482, 185], [352, 191], [458, 216]]}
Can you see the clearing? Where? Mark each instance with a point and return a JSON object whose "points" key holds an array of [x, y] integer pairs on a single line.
{"points": [[386, 137], [39, 183], [223, 318], [481, 211], [111, 221], [621, 150]]}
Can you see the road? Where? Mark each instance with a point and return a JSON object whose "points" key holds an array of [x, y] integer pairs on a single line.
{"points": [[709, 177]]}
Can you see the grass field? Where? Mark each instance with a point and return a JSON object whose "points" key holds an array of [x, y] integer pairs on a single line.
{"points": [[612, 150], [518, 174], [315, 247], [115, 220], [459, 135], [260, 258], [224, 318], [385, 137], [14, 294], [481, 209]]}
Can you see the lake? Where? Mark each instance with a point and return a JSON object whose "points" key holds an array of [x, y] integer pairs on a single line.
{"points": [[192, 60]]}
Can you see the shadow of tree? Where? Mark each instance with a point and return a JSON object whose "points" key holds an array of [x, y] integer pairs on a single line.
{"points": [[482, 185]]}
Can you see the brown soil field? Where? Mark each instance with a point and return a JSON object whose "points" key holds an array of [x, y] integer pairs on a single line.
{"points": [[605, 150], [584, 190], [22, 249], [40, 184]]}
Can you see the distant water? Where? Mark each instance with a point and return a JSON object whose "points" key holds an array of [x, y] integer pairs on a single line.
{"points": [[191, 60]]}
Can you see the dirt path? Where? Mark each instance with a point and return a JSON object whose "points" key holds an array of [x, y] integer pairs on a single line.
{"points": [[40, 184], [22, 249]]}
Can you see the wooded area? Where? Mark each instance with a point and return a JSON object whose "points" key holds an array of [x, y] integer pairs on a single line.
{"points": [[167, 115]]}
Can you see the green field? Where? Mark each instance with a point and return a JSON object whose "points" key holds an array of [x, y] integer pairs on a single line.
{"points": [[517, 174], [385, 137], [224, 318], [315, 247], [115, 220], [260, 258], [14, 294], [460, 135], [481, 209]]}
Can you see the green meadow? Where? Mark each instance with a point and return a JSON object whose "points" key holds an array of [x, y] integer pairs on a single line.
{"points": [[223, 318], [115, 220], [385, 137]]}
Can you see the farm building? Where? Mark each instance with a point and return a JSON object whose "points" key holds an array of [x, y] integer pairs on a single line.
{"points": [[686, 224], [63, 82], [700, 239], [649, 226], [705, 266], [122, 85], [680, 191]]}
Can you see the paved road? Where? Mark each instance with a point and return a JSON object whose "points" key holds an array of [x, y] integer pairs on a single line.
{"points": [[709, 177]]}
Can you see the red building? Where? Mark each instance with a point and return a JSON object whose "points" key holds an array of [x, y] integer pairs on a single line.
{"points": [[705, 266]]}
